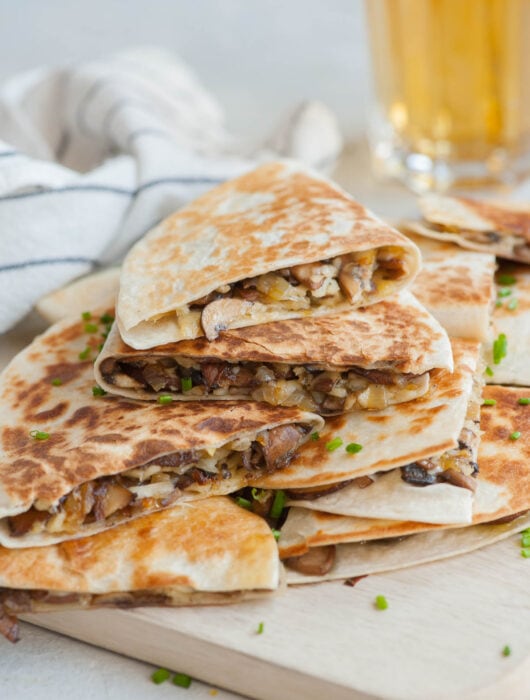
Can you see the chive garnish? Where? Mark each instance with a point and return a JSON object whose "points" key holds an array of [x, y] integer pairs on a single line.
{"points": [[160, 675], [334, 444], [489, 402], [182, 680], [39, 435], [525, 540], [515, 435], [523, 402], [503, 292], [86, 315], [243, 502], [381, 602], [278, 504], [260, 495], [500, 347], [488, 371], [525, 553], [165, 399], [57, 381], [315, 436], [498, 304], [261, 628], [512, 304], [91, 328], [106, 319], [85, 354], [186, 383], [276, 534], [506, 279], [98, 391], [506, 651], [353, 448]]}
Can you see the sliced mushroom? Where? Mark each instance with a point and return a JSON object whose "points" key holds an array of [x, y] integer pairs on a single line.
{"points": [[218, 315], [316, 562], [310, 274], [350, 282], [453, 476], [313, 492]]}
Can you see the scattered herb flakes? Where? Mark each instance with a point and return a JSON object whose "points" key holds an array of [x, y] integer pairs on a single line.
{"points": [[39, 435], [85, 354], [186, 383], [107, 319], [261, 628], [504, 292], [498, 304], [260, 495], [506, 651], [98, 391], [182, 680], [489, 402], [86, 315], [523, 401], [56, 381], [381, 602], [488, 371], [160, 675], [243, 502], [525, 539], [315, 436], [506, 279], [278, 504], [525, 552], [276, 534], [91, 328], [512, 304], [334, 444], [515, 435], [164, 399], [353, 448], [500, 348]]}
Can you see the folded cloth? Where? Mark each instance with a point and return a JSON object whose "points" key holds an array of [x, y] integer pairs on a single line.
{"points": [[94, 155]]}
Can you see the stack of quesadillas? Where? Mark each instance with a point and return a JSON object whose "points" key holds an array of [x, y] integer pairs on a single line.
{"points": [[268, 346]]}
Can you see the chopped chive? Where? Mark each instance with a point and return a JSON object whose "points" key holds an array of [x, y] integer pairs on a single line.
{"points": [[506, 651], [504, 292], [498, 304], [165, 399], [85, 354], [353, 448], [278, 504], [98, 391], [500, 347], [523, 401], [182, 680], [261, 628], [39, 435], [186, 383], [244, 503], [489, 402], [160, 675], [260, 495], [100, 347], [526, 531], [86, 315], [515, 435], [525, 553], [506, 279], [57, 381], [276, 534], [334, 444], [525, 540], [488, 371], [512, 304], [91, 328], [315, 436], [381, 602], [107, 319]]}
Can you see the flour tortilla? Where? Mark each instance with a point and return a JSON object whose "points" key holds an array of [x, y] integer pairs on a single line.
{"points": [[276, 217], [391, 339], [512, 317], [500, 228], [205, 552], [96, 437], [392, 437], [456, 286], [503, 491]]}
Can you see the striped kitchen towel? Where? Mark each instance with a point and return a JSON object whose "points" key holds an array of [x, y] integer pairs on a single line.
{"points": [[94, 155]]}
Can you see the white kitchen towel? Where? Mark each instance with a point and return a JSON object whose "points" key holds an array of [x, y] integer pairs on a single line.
{"points": [[93, 155]]}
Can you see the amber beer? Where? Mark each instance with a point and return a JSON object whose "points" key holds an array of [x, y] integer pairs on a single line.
{"points": [[452, 84]]}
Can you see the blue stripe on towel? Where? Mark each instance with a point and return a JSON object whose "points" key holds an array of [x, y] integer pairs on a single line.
{"points": [[49, 261]]}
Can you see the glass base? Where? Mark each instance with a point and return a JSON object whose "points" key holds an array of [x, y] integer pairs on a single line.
{"points": [[422, 173]]}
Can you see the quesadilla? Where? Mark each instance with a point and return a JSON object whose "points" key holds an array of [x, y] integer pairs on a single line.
{"points": [[207, 552], [506, 351], [502, 229], [361, 359], [501, 507], [277, 243], [456, 286], [74, 462]]}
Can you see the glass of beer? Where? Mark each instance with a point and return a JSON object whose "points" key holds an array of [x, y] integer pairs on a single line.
{"points": [[452, 91]]}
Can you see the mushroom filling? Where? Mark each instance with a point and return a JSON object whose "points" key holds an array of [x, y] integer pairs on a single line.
{"points": [[159, 483], [353, 278], [509, 242], [310, 387]]}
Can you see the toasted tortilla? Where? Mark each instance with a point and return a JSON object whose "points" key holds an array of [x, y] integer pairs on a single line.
{"points": [[205, 552], [86, 442], [391, 437], [511, 316], [503, 491], [456, 286], [275, 218], [376, 356], [501, 228]]}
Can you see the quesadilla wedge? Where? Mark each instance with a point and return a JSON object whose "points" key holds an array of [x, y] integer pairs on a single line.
{"points": [[506, 351], [74, 462], [207, 552], [502, 229], [361, 359], [456, 286], [501, 507], [277, 243]]}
